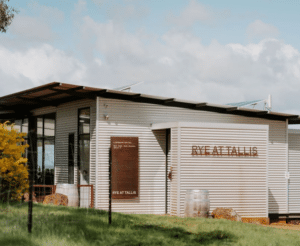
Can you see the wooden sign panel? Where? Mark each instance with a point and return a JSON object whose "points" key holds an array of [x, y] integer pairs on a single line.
{"points": [[125, 167]]}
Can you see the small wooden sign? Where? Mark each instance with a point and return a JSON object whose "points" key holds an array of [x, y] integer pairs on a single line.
{"points": [[125, 167]]}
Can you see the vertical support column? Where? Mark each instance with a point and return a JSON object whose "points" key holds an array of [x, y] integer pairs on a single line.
{"points": [[32, 157]]}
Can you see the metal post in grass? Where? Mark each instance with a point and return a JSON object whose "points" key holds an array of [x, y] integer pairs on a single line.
{"points": [[109, 206], [31, 162]]}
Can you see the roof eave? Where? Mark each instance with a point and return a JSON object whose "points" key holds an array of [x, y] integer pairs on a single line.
{"points": [[55, 93]]}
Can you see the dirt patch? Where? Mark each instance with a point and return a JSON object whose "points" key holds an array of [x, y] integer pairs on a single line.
{"points": [[289, 226]]}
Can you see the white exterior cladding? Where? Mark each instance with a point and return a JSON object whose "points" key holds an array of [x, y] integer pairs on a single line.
{"points": [[135, 119], [294, 170], [67, 122], [236, 182]]}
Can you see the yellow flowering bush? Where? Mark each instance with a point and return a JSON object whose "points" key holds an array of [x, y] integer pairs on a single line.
{"points": [[13, 169]]}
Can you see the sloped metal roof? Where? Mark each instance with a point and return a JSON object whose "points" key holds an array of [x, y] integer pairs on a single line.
{"points": [[55, 93]]}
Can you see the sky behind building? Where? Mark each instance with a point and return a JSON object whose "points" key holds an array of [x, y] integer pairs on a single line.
{"points": [[207, 51]]}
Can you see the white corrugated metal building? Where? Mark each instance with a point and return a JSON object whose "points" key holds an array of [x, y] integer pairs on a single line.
{"points": [[204, 146]]}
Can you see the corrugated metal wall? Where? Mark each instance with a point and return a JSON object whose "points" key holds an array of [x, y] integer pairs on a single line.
{"points": [[174, 195], [278, 162], [168, 171], [294, 170], [151, 169], [66, 122], [134, 119], [236, 182]]}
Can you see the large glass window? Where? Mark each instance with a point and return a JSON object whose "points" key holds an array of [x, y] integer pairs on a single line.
{"points": [[84, 145], [25, 125], [22, 126], [18, 125], [45, 150], [44, 168]]}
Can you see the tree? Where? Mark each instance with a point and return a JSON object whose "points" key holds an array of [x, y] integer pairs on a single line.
{"points": [[13, 171], [6, 15]]}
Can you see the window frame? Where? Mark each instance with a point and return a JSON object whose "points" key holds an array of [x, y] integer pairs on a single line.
{"points": [[44, 138], [78, 141]]}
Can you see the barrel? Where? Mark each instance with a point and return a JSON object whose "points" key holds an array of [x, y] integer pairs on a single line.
{"points": [[197, 203], [71, 191]]}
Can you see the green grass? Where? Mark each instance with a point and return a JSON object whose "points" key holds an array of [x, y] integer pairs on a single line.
{"points": [[64, 226]]}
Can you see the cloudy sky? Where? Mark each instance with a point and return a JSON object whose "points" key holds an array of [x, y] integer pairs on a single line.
{"points": [[204, 50]]}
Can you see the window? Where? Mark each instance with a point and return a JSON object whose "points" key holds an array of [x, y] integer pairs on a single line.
{"points": [[45, 150], [44, 168], [84, 145], [22, 126]]}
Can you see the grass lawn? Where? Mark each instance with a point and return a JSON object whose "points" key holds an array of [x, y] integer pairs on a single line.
{"points": [[64, 226]]}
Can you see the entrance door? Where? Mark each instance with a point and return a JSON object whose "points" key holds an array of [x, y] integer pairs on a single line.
{"points": [[84, 155], [44, 173]]}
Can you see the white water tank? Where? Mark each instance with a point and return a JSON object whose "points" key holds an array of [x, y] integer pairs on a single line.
{"points": [[197, 203]]}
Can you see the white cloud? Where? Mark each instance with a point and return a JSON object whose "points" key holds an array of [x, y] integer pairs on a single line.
{"points": [[39, 27], [79, 7], [100, 2], [40, 65], [194, 12], [99, 62], [113, 41], [175, 64], [31, 29], [259, 29], [121, 13], [51, 15], [166, 61], [124, 10], [182, 67]]}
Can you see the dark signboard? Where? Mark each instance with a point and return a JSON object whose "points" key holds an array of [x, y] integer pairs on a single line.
{"points": [[125, 167]]}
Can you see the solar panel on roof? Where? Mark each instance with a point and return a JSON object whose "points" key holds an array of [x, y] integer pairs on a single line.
{"points": [[241, 104]]}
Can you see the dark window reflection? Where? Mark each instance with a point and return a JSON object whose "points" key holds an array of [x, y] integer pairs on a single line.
{"points": [[25, 125], [44, 170], [84, 145], [21, 125], [39, 127], [18, 125], [84, 121], [71, 158], [49, 127], [45, 150]]}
